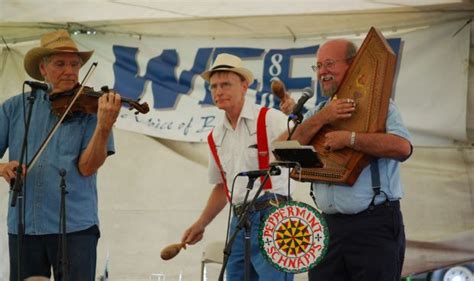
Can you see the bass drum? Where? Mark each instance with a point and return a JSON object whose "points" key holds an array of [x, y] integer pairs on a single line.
{"points": [[294, 237]]}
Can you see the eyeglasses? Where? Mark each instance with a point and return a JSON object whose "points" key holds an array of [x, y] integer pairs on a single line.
{"points": [[328, 64], [223, 86]]}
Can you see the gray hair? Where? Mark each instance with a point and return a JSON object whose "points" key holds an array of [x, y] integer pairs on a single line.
{"points": [[47, 59], [351, 50]]}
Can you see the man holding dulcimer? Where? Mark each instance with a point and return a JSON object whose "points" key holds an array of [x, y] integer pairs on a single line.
{"points": [[366, 232], [78, 149]]}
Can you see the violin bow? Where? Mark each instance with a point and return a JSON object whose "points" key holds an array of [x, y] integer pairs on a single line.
{"points": [[56, 126]]}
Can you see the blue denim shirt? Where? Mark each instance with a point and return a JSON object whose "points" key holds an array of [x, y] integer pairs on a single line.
{"points": [[41, 189], [332, 198]]}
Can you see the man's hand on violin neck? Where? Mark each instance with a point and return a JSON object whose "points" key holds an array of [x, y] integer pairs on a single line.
{"points": [[108, 110]]}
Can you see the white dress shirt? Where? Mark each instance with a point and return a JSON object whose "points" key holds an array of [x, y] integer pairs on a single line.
{"points": [[237, 150]]}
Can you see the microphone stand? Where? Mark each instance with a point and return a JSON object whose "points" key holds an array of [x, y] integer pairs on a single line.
{"points": [[63, 258], [247, 232], [298, 119], [17, 183], [243, 220]]}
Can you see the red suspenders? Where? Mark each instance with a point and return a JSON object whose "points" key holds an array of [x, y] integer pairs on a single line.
{"points": [[212, 146], [262, 148]]}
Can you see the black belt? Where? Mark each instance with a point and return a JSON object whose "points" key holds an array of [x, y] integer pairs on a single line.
{"points": [[385, 204], [261, 205]]}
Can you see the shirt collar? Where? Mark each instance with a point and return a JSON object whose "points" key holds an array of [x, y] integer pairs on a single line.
{"points": [[245, 113]]}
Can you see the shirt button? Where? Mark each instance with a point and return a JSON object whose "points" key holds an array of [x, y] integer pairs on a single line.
{"points": [[330, 205]]}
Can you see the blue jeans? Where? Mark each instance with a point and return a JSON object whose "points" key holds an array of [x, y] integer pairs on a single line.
{"points": [[260, 268], [40, 253]]}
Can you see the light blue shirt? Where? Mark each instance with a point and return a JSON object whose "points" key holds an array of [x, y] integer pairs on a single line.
{"points": [[42, 192], [332, 198]]}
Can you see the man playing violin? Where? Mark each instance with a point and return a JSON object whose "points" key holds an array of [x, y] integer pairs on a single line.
{"points": [[80, 146]]}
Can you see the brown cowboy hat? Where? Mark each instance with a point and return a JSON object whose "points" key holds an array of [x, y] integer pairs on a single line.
{"points": [[228, 62], [56, 42]]}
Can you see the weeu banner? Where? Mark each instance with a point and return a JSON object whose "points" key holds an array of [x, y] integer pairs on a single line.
{"points": [[164, 72]]}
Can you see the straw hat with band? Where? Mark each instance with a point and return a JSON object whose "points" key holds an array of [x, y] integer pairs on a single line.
{"points": [[56, 42], [228, 62]]}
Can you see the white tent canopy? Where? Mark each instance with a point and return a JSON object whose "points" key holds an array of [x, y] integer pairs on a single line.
{"points": [[26, 20]]}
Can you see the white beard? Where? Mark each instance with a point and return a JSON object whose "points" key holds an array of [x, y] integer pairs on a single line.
{"points": [[332, 90]]}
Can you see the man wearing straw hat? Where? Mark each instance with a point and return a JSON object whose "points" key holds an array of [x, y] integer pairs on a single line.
{"points": [[80, 146], [235, 146]]}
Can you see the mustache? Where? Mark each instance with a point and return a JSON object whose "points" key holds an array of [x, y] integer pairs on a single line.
{"points": [[327, 77]]}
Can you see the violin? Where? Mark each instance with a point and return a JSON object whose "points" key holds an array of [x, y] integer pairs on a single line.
{"points": [[87, 102]]}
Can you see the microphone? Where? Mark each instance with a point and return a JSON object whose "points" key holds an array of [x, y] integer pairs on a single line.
{"points": [[274, 171], [47, 87], [296, 113]]}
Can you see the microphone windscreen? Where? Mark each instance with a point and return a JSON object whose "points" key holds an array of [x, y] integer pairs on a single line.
{"points": [[50, 88], [308, 91]]}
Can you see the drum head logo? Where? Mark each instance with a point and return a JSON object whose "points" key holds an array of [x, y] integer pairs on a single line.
{"points": [[294, 237]]}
